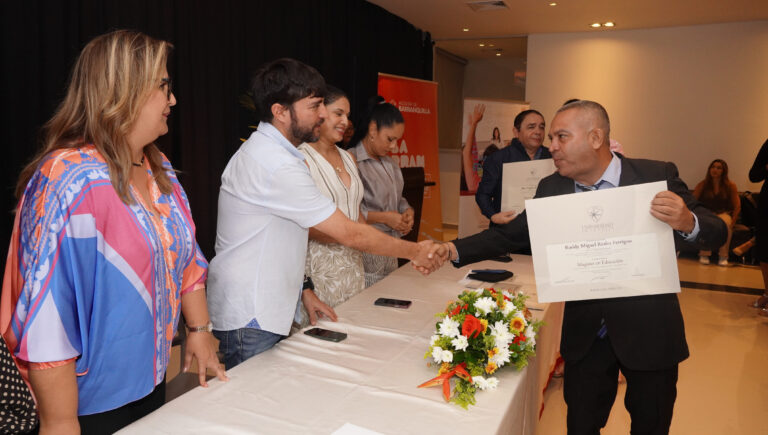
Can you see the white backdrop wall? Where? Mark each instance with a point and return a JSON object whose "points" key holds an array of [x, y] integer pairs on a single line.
{"points": [[682, 94]]}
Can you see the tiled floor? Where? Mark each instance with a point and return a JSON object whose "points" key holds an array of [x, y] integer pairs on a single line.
{"points": [[723, 387]]}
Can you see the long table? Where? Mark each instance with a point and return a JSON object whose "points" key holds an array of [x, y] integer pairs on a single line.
{"points": [[368, 381]]}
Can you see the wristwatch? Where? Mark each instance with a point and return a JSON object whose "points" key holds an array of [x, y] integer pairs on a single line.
{"points": [[308, 284], [206, 328]]}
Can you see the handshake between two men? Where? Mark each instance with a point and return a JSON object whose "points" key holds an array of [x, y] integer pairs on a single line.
{"points": [[432, 256], [666, 206]]}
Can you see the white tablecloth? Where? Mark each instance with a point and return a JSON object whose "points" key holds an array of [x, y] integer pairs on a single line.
{"points": [[306, 385]]}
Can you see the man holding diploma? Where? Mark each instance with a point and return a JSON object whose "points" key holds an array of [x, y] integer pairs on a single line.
{"points": [[643, 336]]}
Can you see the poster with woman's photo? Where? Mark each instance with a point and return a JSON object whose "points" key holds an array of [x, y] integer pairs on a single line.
{"points": [[488, 126]]}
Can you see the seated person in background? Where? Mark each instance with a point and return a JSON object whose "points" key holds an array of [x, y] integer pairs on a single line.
{"points": [[383, 203], [642, 336], [336, 270], [527, 145], [720, 195]]}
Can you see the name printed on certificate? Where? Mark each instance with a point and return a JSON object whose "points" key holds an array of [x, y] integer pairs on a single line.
{"points": [[601, 244], [519, 181], [613, 259]]}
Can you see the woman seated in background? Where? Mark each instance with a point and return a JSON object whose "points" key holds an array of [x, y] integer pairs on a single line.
{"points": [[720, 195], [383, 203], [336, 270], [103, 254]]}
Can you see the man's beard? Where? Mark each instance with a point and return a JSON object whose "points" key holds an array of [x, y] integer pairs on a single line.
{"points": [[305, 134]]}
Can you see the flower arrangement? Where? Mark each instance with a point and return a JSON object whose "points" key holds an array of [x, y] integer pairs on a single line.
{"points": [[479, 333]]}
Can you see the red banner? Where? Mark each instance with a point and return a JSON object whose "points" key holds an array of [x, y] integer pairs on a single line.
{"points": [[417, 100]]}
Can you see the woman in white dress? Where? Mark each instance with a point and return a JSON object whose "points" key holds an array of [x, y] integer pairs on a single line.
{"points": [[335, 270]]}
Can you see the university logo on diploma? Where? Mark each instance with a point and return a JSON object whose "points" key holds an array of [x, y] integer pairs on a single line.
{"points": [[601, 244], [519, 181]]}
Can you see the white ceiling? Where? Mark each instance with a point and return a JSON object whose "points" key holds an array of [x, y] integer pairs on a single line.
{"points": [[445, 19]]}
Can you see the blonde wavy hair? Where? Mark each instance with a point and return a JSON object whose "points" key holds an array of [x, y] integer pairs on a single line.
{"points": [[110, 82]]}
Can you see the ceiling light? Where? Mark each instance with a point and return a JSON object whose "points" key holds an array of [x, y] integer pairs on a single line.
{"points": [[466, 29], [481, 44], [553, 4], [595, 25], [490, 45], [498, 54], [609, 24]]}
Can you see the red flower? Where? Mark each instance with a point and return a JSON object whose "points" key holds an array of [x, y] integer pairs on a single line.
{"points": [[519, 339], [455, 311], [494, 292], [471, 327]]}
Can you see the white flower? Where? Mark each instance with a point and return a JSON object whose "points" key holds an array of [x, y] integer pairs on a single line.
{"points": [[530, 336], [492, 383], [447, 356], [480, 382], [508, 307], [437, 354], [485, 384], [500, 333], [441, 355], [485, 305], [501, 357], [449, 327], [433, 339], [460, 342]]}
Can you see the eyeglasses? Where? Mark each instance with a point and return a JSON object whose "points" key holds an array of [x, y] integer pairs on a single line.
{"points": [[166, 81]]}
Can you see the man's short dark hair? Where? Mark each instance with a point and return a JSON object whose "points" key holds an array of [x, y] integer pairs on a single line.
{"points": [[521, 117], [284, 81], [597, 109]]}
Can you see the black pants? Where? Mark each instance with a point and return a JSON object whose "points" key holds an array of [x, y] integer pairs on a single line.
{"points": [[590, 390], [109, 422]]}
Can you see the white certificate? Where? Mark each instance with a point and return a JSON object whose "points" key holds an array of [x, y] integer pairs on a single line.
{"points": [[601, 244], [519, 181]]}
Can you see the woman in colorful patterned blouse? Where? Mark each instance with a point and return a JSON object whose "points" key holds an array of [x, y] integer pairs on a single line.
{"points": [[103, 254]]}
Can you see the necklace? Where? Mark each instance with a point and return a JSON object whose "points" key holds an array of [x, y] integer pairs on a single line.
{"points": [[138, 165]]}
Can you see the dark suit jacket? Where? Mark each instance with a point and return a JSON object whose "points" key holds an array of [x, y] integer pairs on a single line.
{"points": [[646, 332], [488, 195]]}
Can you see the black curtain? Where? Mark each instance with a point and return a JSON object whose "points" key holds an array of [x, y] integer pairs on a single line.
{"points": [[218, 45]]}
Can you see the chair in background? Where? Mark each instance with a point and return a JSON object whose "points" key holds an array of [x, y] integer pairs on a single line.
{"points": [[413, 192]]}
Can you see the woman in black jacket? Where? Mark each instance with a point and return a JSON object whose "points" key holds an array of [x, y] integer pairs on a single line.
{"points": [[758, 173]]}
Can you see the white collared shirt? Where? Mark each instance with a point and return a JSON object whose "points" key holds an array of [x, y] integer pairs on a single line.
{"points": [[267, 202]]}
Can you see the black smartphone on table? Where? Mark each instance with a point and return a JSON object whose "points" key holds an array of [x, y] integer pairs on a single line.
{"points": [[326, 334], [394, 303]]}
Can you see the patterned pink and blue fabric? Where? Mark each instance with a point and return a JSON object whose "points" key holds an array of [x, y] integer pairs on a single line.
{"points": [[93, 278]]}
